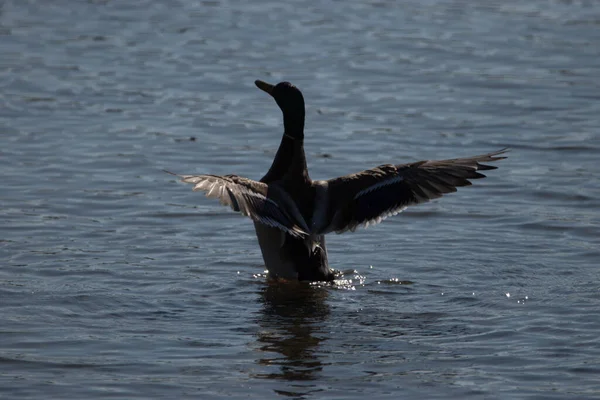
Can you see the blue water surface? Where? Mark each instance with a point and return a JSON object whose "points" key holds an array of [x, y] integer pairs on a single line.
{"points": [[118, 282]]}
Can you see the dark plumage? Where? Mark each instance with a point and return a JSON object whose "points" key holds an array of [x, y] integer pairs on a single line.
{"points": [[292, 213]]}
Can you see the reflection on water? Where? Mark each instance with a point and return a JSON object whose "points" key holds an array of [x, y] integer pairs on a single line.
{"points": [[291, 322]]}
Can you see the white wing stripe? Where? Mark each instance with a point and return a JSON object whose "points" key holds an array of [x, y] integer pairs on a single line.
{"points": [[378, 219], [211, 191], [386, 182]]}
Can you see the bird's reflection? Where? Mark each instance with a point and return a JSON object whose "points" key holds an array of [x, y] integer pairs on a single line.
{"points": [[291, 329]]}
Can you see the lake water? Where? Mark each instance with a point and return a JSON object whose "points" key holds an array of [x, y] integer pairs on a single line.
{"points": [[118, 282]]}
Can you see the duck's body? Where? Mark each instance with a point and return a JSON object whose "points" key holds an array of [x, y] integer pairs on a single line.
{"points": [[287, 256], [292, 213]]}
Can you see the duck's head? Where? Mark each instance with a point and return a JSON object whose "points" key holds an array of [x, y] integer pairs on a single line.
{"points": [[289, 98]]}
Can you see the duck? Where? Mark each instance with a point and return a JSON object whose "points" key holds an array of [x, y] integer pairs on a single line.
{"points": [[292, 213]]}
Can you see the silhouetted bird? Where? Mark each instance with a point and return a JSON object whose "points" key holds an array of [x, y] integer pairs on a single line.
{"points": [[292, 213]]}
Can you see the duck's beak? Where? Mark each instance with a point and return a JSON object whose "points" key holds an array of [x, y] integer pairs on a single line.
{"points": [[264, 86]]}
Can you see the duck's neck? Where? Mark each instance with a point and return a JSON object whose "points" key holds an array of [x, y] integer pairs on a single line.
{"points": [[294, 125], [290, 161]]}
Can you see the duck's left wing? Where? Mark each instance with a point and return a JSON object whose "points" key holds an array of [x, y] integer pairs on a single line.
{"points": [[267, 205], [370, 196]]}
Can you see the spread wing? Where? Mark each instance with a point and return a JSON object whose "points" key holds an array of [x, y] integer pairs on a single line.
{"points": [[264, 204], [370, 196]]}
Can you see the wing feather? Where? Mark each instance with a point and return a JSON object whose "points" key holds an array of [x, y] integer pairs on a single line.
{"points": [[254, 199], [370, 196]]}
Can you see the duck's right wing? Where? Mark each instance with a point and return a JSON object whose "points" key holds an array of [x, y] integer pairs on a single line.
{"points": [[370, 196], [263, 204]]}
